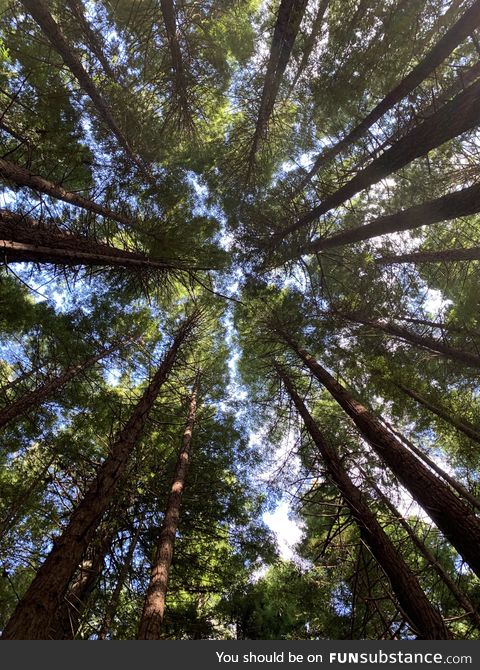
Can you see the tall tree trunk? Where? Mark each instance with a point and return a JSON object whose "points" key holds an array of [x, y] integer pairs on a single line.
{"points": [[122, 576], [443, 256], [456, 521], [421, 613], [23, 239], [181, 85], [34, 613], [310, 41], [461, 598], [422, 341], [443, 413], [31, 400], [289, 17], [150, 627], [444, 47], [23, 177], [450, 206], [69, 615], [40, 11], [93, 42], [456, 117]]}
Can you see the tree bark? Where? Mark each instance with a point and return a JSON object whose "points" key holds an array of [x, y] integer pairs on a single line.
{"points": [[444, 414], [180, 81], [154, 607], [29, 401], [310, 40], [289, 17], [23, 177], [40, 11], [34, 613], [450, 206], [442, 256], [23, 239], [461, 598], [420, 612], [442, 49], [429, 343], [93, 42], [456, 117], [456, 521]]}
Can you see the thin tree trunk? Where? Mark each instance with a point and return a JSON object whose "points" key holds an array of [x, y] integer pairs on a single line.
{"points": [[23, 177], [310, 41], [69, 615], [150, 627], [444, 47], [180, 81], [23, 239], [456, 521], [456, 117], [34, 613], [122, 576], [78, 11], [289, 17], [450, 206], [420, 612], [443, 256], [40, 11], [444, 414], [429, 343], [28, 402], [461, 598]]}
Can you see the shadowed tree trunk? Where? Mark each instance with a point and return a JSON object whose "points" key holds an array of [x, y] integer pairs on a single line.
{"points": [[289, 17], [461, 598], [154, 607], [34, 614], [442, 256], [420, 612], [93, 41], [444, 414], [456, 117], [310, 41], [40, 11], [23, 177], [456, 521], [28, 402], [23, 239], [444, 47], [450, 206], [422, 341], [181, 84]]}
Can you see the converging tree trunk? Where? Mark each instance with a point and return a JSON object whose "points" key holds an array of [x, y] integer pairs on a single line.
{"points": [[456, 521], [441, 256], [93, 42], [33, 616], [40, 11], [153, 609], [423, 616], [444, 47], [23, 239], [29, 401], [310, 40], [456, 117]]}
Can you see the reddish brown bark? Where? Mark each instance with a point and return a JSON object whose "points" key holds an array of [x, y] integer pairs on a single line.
{"points": [[40, 11], [456, 521], [23, 177], [31, 400], [23, 239], [450, 206], [456, 117], [420, 612], [444, 47], [154, 607], [33, 616], [181, 85]]}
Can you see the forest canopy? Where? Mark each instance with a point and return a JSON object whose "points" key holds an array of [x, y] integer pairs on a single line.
{"points": [[240, 245]]}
